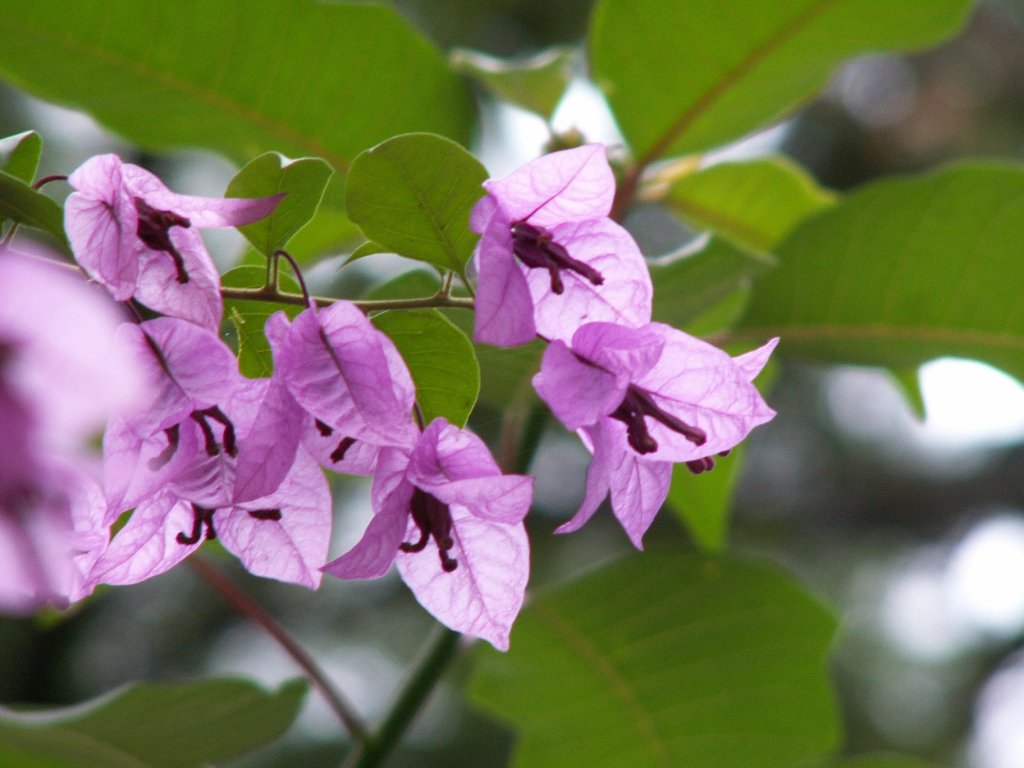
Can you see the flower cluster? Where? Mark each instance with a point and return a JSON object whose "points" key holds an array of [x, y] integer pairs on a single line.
{"points": [[192, 450]]}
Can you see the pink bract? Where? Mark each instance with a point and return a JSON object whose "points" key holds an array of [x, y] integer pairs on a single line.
{"points": [[453, 524], [555, 207], [140, 240]]}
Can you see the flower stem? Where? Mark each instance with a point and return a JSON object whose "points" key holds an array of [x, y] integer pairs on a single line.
{"points": [[373, 305], [439, 650], [248, 607]]}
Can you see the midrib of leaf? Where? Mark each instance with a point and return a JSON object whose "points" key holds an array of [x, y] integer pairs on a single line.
{"points": [[448, 246], [185, 87], [619, 685], [883, 332], [741, 70]]}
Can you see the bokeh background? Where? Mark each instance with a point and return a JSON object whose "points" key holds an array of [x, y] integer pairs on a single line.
{"points": [[906, 516]]}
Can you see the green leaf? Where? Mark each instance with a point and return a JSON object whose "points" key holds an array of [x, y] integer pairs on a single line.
{"points": [[879, 761], [19, 155], [20, 203], [904, 271], [151, 725], [302, 182], [666, 659], [440, 359], [703, 501], [687, 76], [688, 286], [413, 194], [254, 356], [754, 204], [536, 83], [909, 383], [303, 78], [369, 248], [414, 284]]}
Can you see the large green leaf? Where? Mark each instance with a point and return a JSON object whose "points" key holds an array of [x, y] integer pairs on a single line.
{"points": [[667, 660], [19, 155], [878, 761], [904, 271], [687, 76], [687, 287], [440, 359], [413, 194], [754, 203], [151, 725], [304, 78], [20, 203], [301, 181], [248, 317]]}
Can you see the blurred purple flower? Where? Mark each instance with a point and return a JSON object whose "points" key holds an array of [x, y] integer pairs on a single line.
{"points": [[139, 239], [453, 523], [549, 258], [643, 399], [60, 375]]}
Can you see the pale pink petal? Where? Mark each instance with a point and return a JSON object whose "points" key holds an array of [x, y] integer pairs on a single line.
{"points": [[266, 449], [137, 466], [349, 375], [484, 593], [202, 212], [95, 235], [578, 394], [569, 185], [197, 300], [445, 452], [294, 547], [598, 477], [147, 545], [753, 362], [638, 489], [481, 214], [373, 555], [358, 458], [624, 297], [701, 385], [503, 308], [501, 499], [619, 349]]}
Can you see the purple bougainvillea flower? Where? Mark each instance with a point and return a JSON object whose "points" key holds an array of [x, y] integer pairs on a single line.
{"points": [[282, 534], [139, 239], [189, 372], [549, 258], [453, 523], [350, 381], [60, 375], [644, 399]]}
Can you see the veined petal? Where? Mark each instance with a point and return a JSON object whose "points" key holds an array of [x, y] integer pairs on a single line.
{"points": [[293, 547], [349, 375], [598, 477], [503, 308], [577, 393], [483, 595], [267, 448], [481, 214], [753, 362], [202, 212], [197, 300], [638, 489], [500, 499], [95, 235], [624, 297], [147, 545], [444, 453], [573, 184], [630, 352]]}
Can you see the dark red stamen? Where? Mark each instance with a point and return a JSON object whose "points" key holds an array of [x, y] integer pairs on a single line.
{"points": [[324, 429], [339, 453], [536, 249], [264, 514], [434, 519], [154, 230], [215, 413], [697, 466], [638, 404], [161, 459], [201, 516]]}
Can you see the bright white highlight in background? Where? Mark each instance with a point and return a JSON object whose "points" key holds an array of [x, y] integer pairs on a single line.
{"points": [[970, 404]]}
